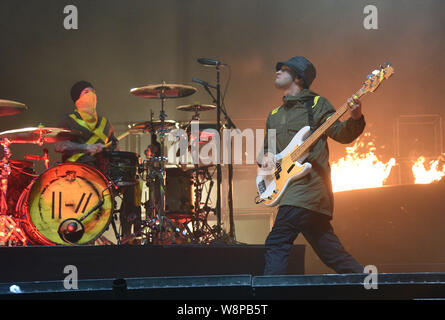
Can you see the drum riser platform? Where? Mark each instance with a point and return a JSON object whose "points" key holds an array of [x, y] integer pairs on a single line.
{"points": [[41, 263]]}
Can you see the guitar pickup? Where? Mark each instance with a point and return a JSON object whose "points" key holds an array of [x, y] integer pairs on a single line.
{"points": [[262, 186], [290, 168]]}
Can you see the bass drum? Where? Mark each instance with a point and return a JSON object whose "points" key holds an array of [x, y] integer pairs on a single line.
{"points": [[67, 190]]}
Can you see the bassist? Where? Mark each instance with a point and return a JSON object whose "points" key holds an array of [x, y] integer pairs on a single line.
{"points": [[307, 204]]}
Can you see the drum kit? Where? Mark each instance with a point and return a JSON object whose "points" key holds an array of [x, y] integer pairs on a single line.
{"points": [[74, 203]]}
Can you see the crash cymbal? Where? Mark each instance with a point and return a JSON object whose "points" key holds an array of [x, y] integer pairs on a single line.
{"points": [[9, 108], [38, 135], [196, 107], [159, 91], [186, 125], [148, 126]]}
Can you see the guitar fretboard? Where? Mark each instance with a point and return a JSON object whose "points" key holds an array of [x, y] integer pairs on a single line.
{"points": [[303, 148]]}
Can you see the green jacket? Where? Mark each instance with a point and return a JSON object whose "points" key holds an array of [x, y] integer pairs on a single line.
{"points": [[313, 191]]}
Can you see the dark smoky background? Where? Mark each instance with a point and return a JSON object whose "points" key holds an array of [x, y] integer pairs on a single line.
{"points": [[120, 45]]}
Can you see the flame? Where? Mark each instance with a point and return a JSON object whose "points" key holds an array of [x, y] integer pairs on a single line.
{"points": [[360, 170], [422, 175]]}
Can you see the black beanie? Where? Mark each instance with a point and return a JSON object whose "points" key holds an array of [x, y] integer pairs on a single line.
{"points": [[303, 68], [77, 89]]}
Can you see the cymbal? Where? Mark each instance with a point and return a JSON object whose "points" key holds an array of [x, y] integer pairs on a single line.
{"points": [[38, 135], [148, 126], [202, 124], [159, 91], [9, 108], [196, 107]]}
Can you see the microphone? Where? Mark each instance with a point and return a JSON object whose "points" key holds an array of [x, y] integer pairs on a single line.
{"points": [[205, 84], [97, 206], [211, 62]]}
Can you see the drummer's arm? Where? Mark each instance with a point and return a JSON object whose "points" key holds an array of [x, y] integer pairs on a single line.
{"points": [[74, 147], [69, 146], [112, 138]]}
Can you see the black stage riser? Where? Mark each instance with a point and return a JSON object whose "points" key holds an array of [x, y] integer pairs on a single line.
{"points": [[23, 264]]}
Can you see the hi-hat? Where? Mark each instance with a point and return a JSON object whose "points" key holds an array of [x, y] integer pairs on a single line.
{"points": [[148, 126], [38, 135], [196, 107], [161, 91], [9, 108]]}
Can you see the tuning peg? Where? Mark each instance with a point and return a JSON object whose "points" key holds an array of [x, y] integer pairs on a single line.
{"points": [[369, 76], [388, 64]]}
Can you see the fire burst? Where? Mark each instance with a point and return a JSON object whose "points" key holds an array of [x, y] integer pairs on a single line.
{"points": [[360, 170], [422, 175]]}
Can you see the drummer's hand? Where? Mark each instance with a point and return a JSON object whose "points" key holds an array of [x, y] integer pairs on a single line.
{"points": [[95, 148]]}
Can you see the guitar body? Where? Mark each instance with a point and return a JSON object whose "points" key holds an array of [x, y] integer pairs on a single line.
{"points": [[271, 185]]}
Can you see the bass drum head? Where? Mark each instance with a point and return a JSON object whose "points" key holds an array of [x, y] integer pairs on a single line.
{"points": [[68, 190]]}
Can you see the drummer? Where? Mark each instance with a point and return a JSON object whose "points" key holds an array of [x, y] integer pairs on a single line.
{"points": [[96, 132]]}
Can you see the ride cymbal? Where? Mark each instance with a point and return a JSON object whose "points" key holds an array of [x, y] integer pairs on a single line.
{"points": [[196, 107], [161, 91], [148, 126]]}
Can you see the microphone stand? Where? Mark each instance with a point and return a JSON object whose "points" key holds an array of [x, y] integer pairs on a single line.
{"points": [[231, 125], [218, 164]]}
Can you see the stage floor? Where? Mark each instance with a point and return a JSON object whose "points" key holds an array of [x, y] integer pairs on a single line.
{"points": [[239, 287]]}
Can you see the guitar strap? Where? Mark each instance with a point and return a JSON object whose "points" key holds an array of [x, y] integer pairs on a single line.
{"points": [[310, 114], [310, 104]]}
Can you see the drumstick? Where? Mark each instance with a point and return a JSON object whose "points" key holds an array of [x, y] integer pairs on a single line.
{"points": [[123, 135]]}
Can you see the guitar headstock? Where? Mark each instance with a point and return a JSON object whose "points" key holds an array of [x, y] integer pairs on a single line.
{"points": [[374, 79]]}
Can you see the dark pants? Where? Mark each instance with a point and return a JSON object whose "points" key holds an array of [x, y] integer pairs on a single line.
{"points": [[317, 230]]}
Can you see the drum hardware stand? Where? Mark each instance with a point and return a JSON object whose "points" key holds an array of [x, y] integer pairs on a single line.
{"points": [[113, 225], [159, 174], [196, 222], [113, 215], [9, 230]]}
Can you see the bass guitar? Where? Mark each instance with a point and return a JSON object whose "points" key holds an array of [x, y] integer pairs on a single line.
{"points": [[289, 164]]}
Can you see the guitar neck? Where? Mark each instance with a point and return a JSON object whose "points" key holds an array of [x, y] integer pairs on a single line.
{"points": [[313, 138]]}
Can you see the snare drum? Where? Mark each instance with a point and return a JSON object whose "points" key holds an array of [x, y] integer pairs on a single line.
{"points": [[119, 166], [67, 190]]}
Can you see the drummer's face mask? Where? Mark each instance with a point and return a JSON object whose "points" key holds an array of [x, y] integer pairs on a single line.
{"points": [[87, 102]]}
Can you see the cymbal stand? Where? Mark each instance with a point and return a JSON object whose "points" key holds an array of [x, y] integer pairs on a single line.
{"points": [[161, 173], [8, 228], [163, 220]]}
